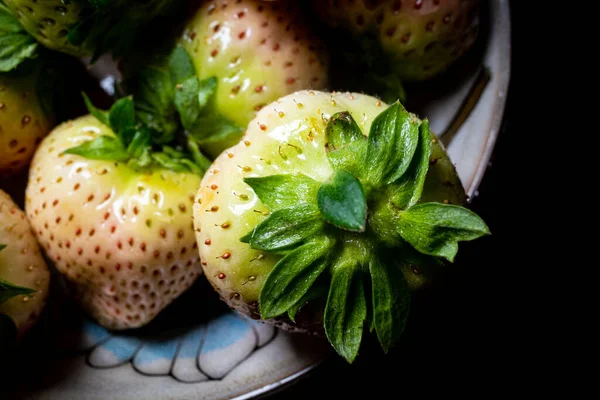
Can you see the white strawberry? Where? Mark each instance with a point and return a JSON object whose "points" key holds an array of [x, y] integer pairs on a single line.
{"points": [[24, 275], [258, 52], [118, 229], [305, 208]]}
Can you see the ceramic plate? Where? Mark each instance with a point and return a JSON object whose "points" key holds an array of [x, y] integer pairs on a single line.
{"points": [[224, 355]]}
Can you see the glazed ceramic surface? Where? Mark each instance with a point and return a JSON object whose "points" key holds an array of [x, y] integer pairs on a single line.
{"points": [[228, 356]]}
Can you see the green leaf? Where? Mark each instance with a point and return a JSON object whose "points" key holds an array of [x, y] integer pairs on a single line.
{"points": [[142, 161], [16, 45], [2, 247], [206, 89], [101, 115], [342, 130], [392, 143], [391, 302], [318, 290], [350, 158], [139, 143], [173, 152], [121, 116], [186, 102], [167, 162], [101, 148], [346, 311], [154, 94], [191, 99], [215, 129], [285, 229], [283, 191], [191, 166], [180, 65], [293, 275], [409, 187], [342, 202], [435, 229], [8, 291], [199, 159]]}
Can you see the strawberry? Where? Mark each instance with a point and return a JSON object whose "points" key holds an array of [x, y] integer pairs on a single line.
{"points": [[24, 275], [258, 51], [24, 113], [86, 27], [113, 214], [398, 40], [24, 119], [307, 210]]}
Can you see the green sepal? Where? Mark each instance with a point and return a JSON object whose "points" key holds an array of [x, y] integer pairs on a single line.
{"points": [[180, 65], [391, 302], [2, 246], [285, 229], [153, 91], [134, 142], [169, 163], [342, 130], [100, 115], [8, 291], [143, 162], [16, 45], [342, 202], [317, 291], [121, 117], [286, 190], [139, 143], [200, 159], [187, 102], [350, 158], [214, 128], [435, 229], [392, 143], [293, 275], [101, 148], [346, 311], [407, 191]]}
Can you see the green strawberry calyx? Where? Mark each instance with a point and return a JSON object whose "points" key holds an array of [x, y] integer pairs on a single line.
{"points": [[166, 125], [169, 94], [342, 238], [16, 45]]}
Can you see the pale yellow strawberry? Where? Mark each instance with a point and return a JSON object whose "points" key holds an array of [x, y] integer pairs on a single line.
{"points": [[286, 137], [23, 121], [258, 51], [123, 239], [21, 264]]}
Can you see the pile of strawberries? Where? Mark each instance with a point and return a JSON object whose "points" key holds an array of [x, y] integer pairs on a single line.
{"points": [[250, 141]]}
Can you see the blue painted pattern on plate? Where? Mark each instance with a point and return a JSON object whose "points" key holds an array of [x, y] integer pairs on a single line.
{"points": [[201, 352]]}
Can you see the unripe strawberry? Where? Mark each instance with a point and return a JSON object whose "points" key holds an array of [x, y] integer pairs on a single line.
{"points": [[257, 51], [85, 27], [406, 40], [122, 237], [24, 120], [24, 275], [306, 208]]}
